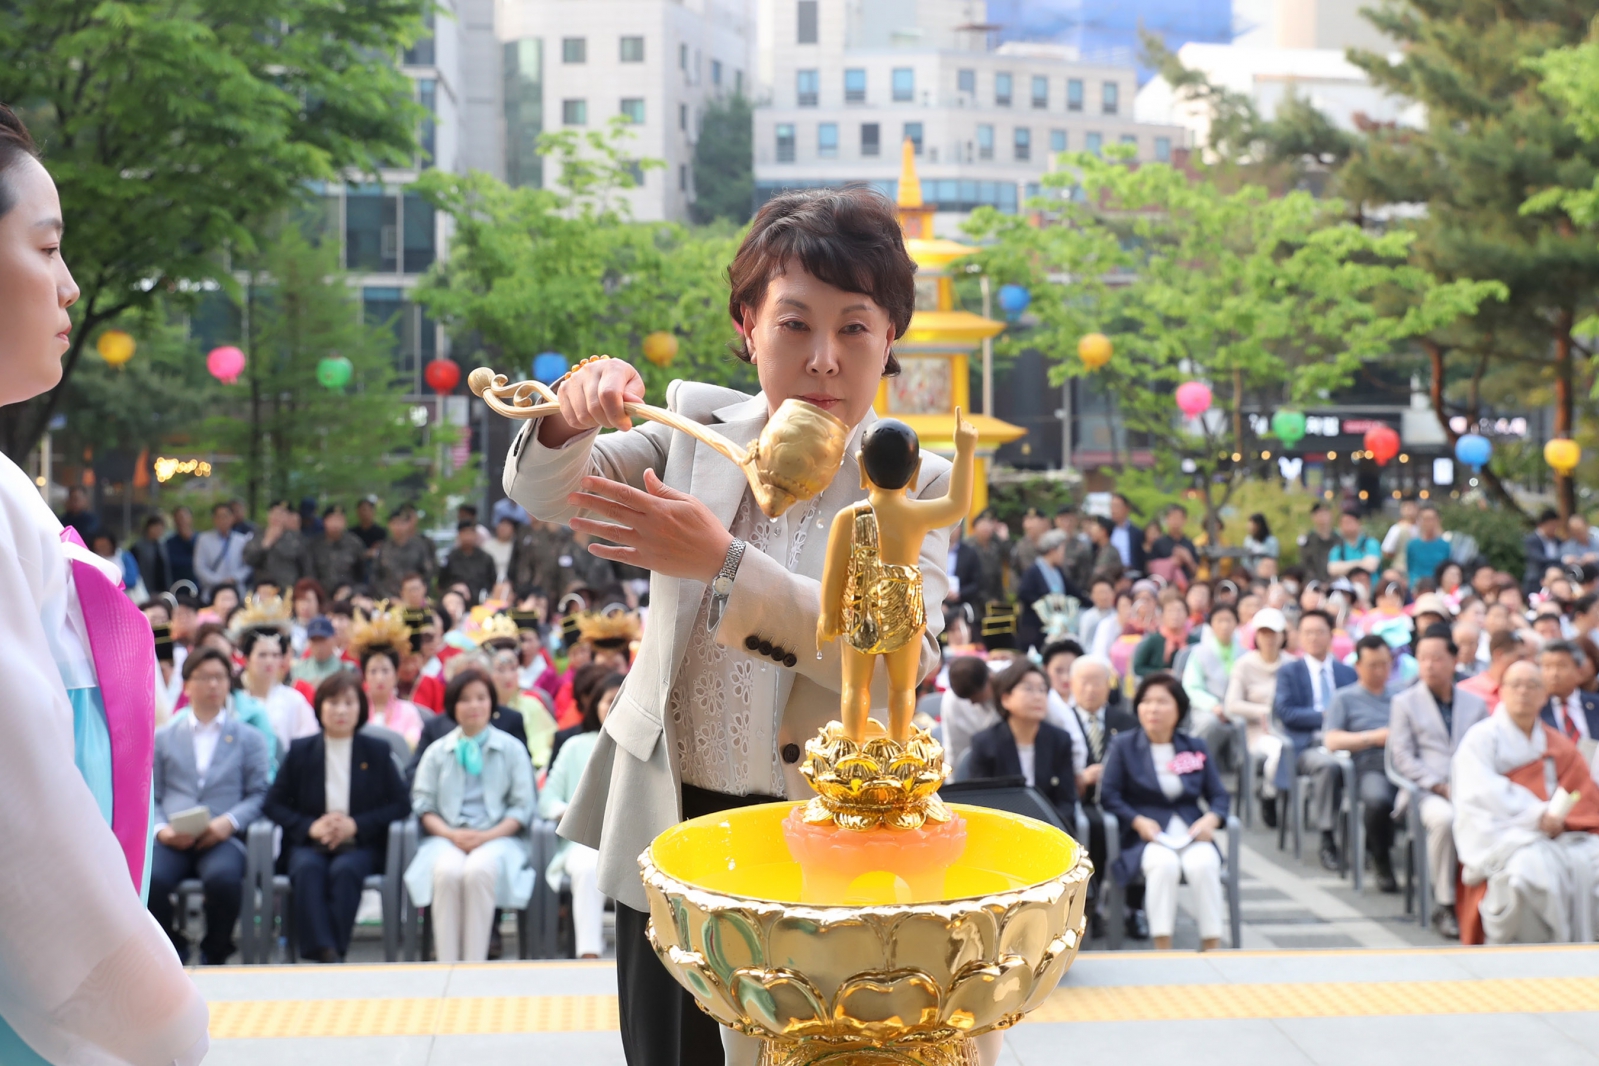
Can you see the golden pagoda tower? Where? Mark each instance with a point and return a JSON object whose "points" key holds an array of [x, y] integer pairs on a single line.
{"points": [[935, 353]]}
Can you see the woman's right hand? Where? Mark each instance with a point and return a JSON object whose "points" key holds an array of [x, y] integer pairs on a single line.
{"points": [[593, 398], [1146, 828]]}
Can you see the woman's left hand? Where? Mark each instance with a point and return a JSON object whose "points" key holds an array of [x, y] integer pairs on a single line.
{"points": [[1204, 829], [661, 529]]}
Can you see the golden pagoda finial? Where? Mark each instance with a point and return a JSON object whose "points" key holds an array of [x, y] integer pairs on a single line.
{"points": [[910, 186]]}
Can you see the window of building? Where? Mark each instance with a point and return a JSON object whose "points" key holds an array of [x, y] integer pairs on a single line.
{"points": [[827, 140], [1002, 89], [422, 53], [1163, 149], [1110, 97], [682, 177], [371, 229], [635, 172], [785, 142], [1092, 142], [682, 58], [871, 143], [633, 110], [855, 86], [1022, 144], [682, 116], [904, 84], [738, 81], [985, 142], [524, 112], [1057, 140], [966, 81], [1033, 190], [574, 50], [807, 22], [1074, 94], [913, 133], [716, 72], [1130, 138], [420, 244], [427, 94], [632, 50], [1040, 91], [575, 112], [807, 85]]}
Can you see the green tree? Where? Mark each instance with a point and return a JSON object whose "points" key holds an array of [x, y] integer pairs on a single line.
{"points": [[1270, 300], [287, 435], [566, 269], [176, 128], [724, 162], [1492, 140]]}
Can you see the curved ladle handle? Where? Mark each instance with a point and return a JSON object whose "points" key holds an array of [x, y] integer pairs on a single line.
{"points": [[516, 401]]}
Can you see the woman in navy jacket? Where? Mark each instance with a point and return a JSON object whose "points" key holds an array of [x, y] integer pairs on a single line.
{"points": [[1153, 781], [1022, 744], [331, 853]]}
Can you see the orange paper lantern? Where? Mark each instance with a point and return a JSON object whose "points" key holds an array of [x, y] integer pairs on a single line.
{"points": [[660, 347], [115, 346], [1094, 350], [1563, 455]]}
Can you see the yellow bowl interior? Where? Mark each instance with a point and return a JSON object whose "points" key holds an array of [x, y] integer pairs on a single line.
{"points": [[742, 853]]}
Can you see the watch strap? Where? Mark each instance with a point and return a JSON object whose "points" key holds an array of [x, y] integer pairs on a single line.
{"points": [[722, 583]]}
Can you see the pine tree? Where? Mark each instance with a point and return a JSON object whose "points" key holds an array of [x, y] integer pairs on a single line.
{"points": [[724, 170]]}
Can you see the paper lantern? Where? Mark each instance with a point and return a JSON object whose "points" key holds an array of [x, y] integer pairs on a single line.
{"points": [[1094, 350], [334, 372], [442, 375], [225, 363], [1473, 449], [1193, 398], [1382, 442], [549, 366], [660, 347], [115, 346], [1013, 299], [1562, 454], [1288, 426]]}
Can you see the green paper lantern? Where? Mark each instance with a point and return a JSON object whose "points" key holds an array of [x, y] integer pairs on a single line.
{"points": [[334, 372], [1288, 427]]}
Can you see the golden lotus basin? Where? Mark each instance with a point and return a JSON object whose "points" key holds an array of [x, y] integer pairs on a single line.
{"points": [[879, 968]]}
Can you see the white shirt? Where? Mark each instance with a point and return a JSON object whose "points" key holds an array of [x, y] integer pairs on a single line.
{"points": [[1322, 685], [1162, 755], [1024, 752], [1571, 710], [290, 714], [1121, 540], [500, 551], [206, 737], [336, 773]]}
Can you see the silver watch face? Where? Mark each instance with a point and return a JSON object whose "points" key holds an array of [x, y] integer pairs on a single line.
{"points": [[722, 585]]}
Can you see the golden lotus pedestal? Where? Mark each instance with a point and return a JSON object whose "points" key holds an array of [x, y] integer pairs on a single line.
{"points": [[884, 972]]}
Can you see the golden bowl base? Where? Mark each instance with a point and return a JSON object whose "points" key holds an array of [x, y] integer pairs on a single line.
{"points": [[958, 1052]]}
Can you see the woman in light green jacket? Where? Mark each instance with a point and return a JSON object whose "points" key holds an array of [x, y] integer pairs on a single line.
{"points": [[576, 861]]}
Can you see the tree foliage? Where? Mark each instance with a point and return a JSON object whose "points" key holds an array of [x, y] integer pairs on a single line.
{"points": [[566, 269], [176, 128], [724, 162], [1270, 300]]}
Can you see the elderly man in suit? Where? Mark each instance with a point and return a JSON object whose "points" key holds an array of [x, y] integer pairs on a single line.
{"points": [[1305, 689], [1569, 709], [206, 759], [1425, 725]]}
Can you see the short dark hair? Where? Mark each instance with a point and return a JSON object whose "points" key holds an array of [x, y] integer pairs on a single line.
{"points": [[332, 509], [1316, 612], [1564, 647], [1067, 646], [253, 636], [466, 508], [1102, 580], [591, 706], [466, 523], [1439, 631], [890, 452], [967, 676], [849, 238], [1371, 642], [412, 576], [1505, 641], [452, 691], [154, 518], [1222, 608], [1010, 677], [200, 656], [1260, 520], [16, 144], [335, 684], [1548, 514], [1319, 505], [1104, 523], [1165, 680]]}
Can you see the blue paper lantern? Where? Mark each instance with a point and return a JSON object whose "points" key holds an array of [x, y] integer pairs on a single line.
{"points": [[1473, 449], [1013, 299], [549, 366]]}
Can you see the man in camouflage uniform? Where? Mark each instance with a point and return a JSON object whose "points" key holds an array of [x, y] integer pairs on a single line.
{"points": [[336, 556], [403, 552], [544, 558]]}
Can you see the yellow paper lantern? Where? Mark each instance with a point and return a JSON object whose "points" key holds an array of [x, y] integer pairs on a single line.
{"points": [[660, 347], [115, 346], [1563, 455], [1094, 350]]}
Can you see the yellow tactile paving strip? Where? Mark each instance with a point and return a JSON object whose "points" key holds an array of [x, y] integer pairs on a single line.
{"points": [[258, 1019]]}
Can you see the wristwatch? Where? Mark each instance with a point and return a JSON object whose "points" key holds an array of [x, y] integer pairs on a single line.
{"points": [[722, 583]]}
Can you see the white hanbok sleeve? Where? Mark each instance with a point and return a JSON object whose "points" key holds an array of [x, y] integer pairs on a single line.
{"points": [[86, 975], [1494, 816]]}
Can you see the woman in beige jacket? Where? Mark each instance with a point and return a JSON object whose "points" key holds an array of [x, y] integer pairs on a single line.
{"points": [[1250, 690]]}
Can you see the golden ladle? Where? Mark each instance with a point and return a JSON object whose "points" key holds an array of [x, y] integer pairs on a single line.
{"points": [[795, 457]]}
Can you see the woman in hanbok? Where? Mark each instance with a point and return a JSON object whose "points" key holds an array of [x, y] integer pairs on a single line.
{"points": [[86, 975]]}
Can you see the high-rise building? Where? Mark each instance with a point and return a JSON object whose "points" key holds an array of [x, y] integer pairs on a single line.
{"points": [[573, 64], [844, 84]]}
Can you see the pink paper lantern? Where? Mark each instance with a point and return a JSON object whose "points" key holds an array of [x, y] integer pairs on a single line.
{"points": [[1193, 398], [225, 364]]}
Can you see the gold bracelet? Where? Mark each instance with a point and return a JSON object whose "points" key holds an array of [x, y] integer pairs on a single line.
{"points": [[581, 364]]}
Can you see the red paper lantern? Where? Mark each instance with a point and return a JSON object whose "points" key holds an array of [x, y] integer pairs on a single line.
{"points": [[1382, 442], [442, 375]]}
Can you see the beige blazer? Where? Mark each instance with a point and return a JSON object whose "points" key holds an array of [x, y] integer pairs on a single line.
{"points": [[633, 772]]}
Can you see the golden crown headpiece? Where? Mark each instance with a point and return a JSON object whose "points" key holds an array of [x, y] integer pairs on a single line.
{"points": [[613, 627], [261, 612], [492, 627], [385, 627]]}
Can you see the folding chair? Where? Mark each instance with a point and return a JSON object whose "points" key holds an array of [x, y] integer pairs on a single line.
{"points": [[1231, 868], [1418, 892]]}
